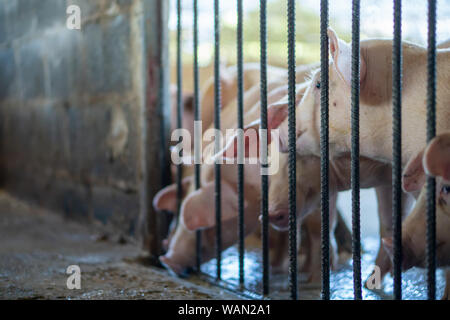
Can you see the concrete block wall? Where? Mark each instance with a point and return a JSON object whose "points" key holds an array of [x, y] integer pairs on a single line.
{"points": [[73, 107]]}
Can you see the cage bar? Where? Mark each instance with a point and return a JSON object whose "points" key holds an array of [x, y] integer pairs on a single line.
{"points": [[292, 152], [198, 241], [397, 148], [264, 177], [240, 122], [324, 150], [324, 141], [356, 223], [431, 133], [217, 108], [179, 103], [154, 158]]}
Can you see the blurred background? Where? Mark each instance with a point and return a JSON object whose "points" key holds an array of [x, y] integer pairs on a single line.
{"points": [[376, 21]]}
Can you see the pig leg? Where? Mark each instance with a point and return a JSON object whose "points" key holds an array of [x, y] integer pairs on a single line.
{"points": [[334, 257], [384, 199], [343, 235], [304, 247], [278, 244], [314, 257], [446, 295], [310, 246]]}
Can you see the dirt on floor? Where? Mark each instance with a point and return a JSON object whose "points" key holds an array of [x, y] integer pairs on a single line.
{"points": [[37, 247]]}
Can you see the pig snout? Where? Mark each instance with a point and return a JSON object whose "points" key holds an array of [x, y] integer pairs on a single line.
{"points": [[174, 267], [279, 219]]}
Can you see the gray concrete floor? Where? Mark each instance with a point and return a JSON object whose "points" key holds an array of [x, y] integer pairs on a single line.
{"points": [[37, 246]]}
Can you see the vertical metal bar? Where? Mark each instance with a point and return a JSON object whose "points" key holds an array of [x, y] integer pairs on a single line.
{"points": [[155, 123], [163, 97], [431, 133], [324, 159], [197, 106], [397, 148], [179, 103], [217, 108], [355, 153], [240, 120], [264, 178], [292, 152]]}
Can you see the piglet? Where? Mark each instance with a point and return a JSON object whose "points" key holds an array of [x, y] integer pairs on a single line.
{"points": [[374, 174], [180, 246], [197, 209], [434, 161], [375, 100]]}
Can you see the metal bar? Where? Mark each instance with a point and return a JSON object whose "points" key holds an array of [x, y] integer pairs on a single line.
{"points": [[292, 152], [217, 108], [431, 133], [198, 244], [162, 33], [155, 123], [356, 223], [240, 120], [397, 148], [179, 103], [324, 159], [264, 178]]}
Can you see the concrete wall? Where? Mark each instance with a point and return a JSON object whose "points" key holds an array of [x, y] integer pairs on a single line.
{"points": [[75, 106]]}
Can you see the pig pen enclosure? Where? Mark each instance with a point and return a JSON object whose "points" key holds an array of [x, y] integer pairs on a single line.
{"points": [[86, 130]]}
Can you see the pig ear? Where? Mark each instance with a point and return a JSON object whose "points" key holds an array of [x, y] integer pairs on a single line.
{"points": [[251, 143], [197, 211], [166, 199], [436, 159], [341, 53], [276, 114], [414, 175]]}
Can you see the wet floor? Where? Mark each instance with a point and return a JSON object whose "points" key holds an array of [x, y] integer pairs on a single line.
{"points": [[341, 285]]}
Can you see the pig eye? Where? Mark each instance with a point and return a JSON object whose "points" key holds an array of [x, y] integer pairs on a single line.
{"points": [[445, 189], [318, 84]]}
